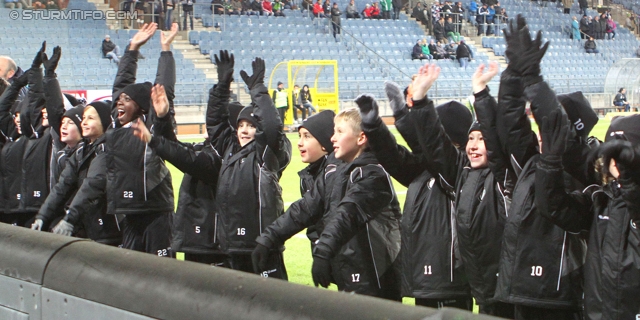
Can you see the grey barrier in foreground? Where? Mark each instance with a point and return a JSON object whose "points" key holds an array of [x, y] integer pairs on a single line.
{"points": [[46, 276]]}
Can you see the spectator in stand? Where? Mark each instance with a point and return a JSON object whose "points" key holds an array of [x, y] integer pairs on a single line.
{"points": [[187, 9], [246, 8], [451, 50], [439, 29], [603, 25], [490, 17], [425, 49], [450, 30], [481, 19], [386, 6], [630, 23], [504, 17], [397, 6], [352, 11], [278, 6], [583, 6], [598, 28], [611, 29], [566, 4], [335, 20], [375, 13], [317, 10], [110, 50], [436, 10], [458, 14], [473, 10], [464, 54], [326, 7], [592, 28], [621, 100], [371, 12], [445, 10], [218, 6], [267, 8], [497, 8], [584, 26], [416, 53], [575, 28], [256, 6], [418, 14], [590, 46], [433, 49], [169, 5]]}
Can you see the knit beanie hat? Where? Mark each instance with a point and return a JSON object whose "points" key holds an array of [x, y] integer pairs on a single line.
{"points": [[234, 111], [627, 128], [104, 112], [75, 114], [247, 114], [456, 120], [140, 93], [320, 125], [579, 112], [475, 126]]}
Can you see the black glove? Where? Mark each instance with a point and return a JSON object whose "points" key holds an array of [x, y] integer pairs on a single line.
{"points": [[530, 57], [395, 95], [225, 66], [368, 108], [50, 65], [22, 80], [37, 61], [258, 74], [259, 257], [554, 131], [512, 39], [64, 228], [321, 272], [627, 158]]}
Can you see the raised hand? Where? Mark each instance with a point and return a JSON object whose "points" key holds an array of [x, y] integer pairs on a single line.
{"points": [[143, 35], [159, 100], [531, 53], [427, 76], [37, 61], [140, 130], [554, 133], [22, 80], [395, 95], [225, 63], [258, 74], [166, 40], [50, 65], [512, 38], [368, 108], [480, 79]]}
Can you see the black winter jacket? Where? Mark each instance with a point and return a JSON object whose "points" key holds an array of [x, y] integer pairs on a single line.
{"points": [[12, 151], [77, 183], [611, 214], [360, 234], [480, 206], [427, 230], [138, 182], [248, 193], [308, 177], [541, 263]]}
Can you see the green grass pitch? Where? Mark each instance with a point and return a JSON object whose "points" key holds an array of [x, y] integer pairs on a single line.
{"points": [[297, 255]]}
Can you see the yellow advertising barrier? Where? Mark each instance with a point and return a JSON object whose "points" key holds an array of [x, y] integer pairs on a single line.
{"points": [[320, 75]]}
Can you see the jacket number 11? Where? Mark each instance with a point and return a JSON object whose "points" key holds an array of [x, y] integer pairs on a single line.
{"points": [[427, 270]]}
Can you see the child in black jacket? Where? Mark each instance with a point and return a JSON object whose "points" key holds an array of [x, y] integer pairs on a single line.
{"points": [[356, 204]]}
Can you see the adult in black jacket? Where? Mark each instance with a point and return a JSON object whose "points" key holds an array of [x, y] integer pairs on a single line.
{"points": [[430, 270], [541, 262], [397, 7], [438, 30], [584, 26], [612, 270], [463, 54], [11, 154], [335, 20], [599, 28], [479, 199]]}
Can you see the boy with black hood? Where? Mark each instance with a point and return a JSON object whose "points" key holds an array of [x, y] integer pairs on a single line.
{"points": [[359, 214], [431, 268]]}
